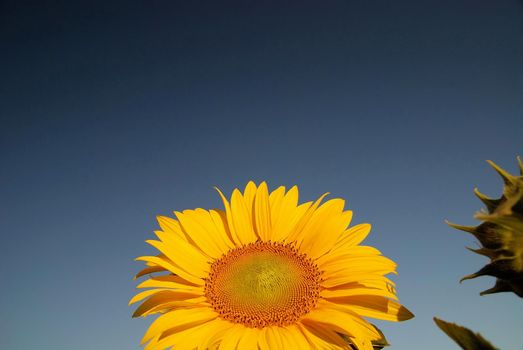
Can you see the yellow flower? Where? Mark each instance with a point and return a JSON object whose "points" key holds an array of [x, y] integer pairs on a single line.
{"points": [[266, 273]]}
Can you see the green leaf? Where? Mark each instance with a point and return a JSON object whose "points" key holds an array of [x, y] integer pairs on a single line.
{"points": [[464, 337]]}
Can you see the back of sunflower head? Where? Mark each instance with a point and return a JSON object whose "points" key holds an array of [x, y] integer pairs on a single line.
{"points": [[501, 237], [501, 234]]}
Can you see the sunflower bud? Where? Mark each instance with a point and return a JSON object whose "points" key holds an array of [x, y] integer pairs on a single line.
{"points": [[501, 234]]}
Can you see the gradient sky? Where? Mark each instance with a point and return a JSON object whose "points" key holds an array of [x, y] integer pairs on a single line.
{"points": [[113, 112]]}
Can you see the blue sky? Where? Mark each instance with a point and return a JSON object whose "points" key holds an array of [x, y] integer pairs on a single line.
{"points": [[115, 112]]}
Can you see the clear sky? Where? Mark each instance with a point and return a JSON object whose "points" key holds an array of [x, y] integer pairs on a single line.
{"points": [[113, 112]]}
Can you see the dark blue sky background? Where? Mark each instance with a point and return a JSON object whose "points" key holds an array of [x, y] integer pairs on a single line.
{"points": [[113, 112]]}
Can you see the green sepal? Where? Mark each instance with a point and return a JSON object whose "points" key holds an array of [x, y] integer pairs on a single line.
{"points": [[464, 337]]}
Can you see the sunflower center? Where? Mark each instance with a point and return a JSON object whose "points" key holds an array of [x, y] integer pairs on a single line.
{"points": [[263, 284]]}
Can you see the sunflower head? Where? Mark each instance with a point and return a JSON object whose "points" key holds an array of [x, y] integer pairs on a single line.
{"points": [[266, 273], [263, 284]]}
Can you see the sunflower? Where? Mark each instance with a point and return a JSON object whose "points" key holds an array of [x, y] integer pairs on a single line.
{"points": [[266, 273]]}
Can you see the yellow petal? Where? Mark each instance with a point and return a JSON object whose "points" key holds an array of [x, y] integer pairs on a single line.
{"points": [[149, 270], [203, 336], [288, 339], [230, 223], [321, 337], [143, 295], [262, 340], [273, 338], [324, 228], [353, 236], [165, 235], [216, 329], [296, 234], [370, 282], [350, 264], [341, 279], [249, 339], [168, 281], [181, 339], [341, 321], [362, 343], [347, 251], [219, 218], [298, 337], [374, 306], [168, 299], [275, 199], [185, 255], [181, 294], [179, 320], [249, 194], [241, 219], [218, 231], [279, 215], [171, 226], [286, 216], [200, 227], [381, 286], [327, 294], [174, 268], [232, 337], [262, 212]]}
